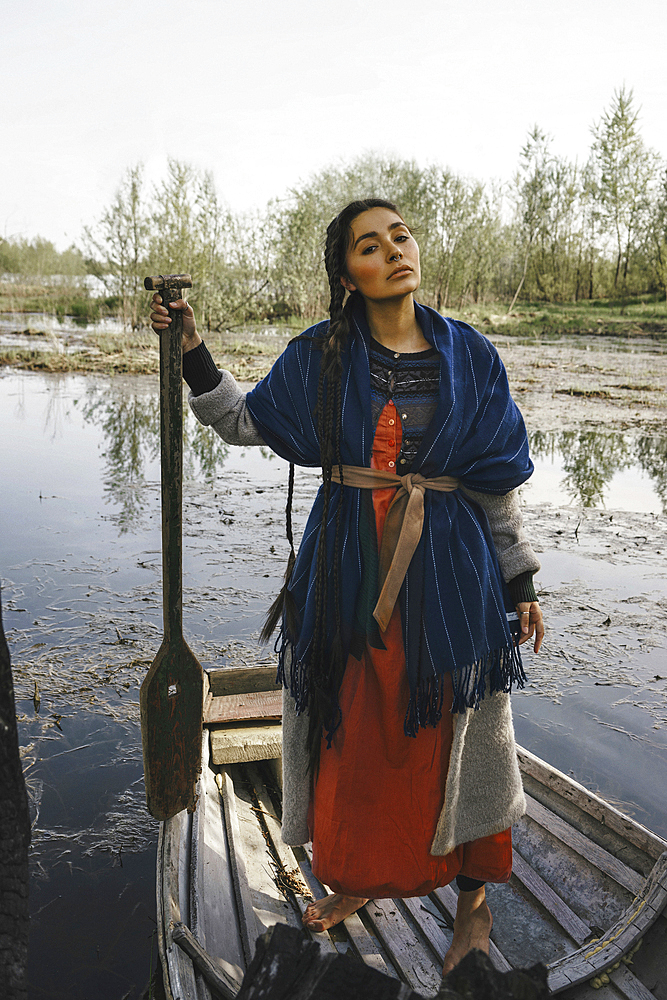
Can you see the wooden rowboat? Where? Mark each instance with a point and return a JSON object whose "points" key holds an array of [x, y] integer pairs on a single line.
{"points": [[587, 895]]}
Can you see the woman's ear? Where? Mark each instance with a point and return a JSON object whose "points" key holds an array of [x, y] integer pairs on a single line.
{"points": [[346, 283]]}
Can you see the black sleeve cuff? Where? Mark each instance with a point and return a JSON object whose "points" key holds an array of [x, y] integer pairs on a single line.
{"points": [[199, 370], [521, 588]]}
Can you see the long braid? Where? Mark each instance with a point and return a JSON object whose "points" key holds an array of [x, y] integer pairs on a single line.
{"points": [[324, 659]]}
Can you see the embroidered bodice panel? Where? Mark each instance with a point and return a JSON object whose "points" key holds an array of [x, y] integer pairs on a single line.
{"points": [[411, 381]]}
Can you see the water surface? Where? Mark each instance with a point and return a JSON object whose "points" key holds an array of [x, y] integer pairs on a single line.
{"points": [[80, 564]]}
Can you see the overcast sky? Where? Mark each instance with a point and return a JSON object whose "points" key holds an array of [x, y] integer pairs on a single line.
{"points": [[264, 93]]}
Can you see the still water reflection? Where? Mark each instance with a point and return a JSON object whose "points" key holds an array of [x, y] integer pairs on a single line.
{"points": [[594, 468], [80, 565], [590, 468]]}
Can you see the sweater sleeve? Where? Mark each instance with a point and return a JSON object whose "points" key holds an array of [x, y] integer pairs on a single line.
{"points": [[515, 554], [199, 370], [224, 408]]}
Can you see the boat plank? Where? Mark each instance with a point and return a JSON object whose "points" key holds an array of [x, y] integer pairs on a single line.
{"points": [[268, 900], [607, 814], [407, 952], [239, 680], [428, 926], [567, 918], [630, 987], [237, 743], [247, 706], [584, 846], [284, 854], [446, 899], [179, 971], [213, 913], [226, 986], [245, 910], [365, 945], [594, 958]]}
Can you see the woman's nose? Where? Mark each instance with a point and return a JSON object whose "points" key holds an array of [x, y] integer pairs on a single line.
{"points": [[395, 254]]}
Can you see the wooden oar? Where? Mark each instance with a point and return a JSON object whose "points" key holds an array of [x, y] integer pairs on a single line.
{"points": [[172, 692]]}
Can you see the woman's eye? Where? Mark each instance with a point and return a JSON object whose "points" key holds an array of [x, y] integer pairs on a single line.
{"points": [[401, 238], [369, 249]]}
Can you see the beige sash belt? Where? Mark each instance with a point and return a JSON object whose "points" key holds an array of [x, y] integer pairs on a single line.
{"points": [[402, 527]]}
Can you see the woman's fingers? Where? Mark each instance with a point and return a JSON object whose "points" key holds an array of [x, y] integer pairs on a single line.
{"points": [[530, 617]]}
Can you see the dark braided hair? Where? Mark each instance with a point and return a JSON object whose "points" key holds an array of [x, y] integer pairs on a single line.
{"points": [[325, 659]]}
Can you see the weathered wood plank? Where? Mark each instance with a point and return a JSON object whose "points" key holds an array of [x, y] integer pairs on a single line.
{"points": [[213, 916], [597, 956], [172, 878], [284, 854], [246, 913], [567, 918], [446, 899], [240, 707], [236, 743], [592, 804], [288, 965], [364, 943], [584, 846], [224, 985], [238, 680], [410, 956], [270, 903], [428, 927], [629, 985]]}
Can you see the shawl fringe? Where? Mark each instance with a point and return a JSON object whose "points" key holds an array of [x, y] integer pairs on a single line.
{"points": [[499, 670]]}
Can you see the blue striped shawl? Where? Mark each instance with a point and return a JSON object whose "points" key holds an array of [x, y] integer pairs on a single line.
{"points": [[453, 601]]}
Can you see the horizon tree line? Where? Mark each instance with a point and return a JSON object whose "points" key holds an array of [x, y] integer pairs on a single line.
{"points": [[558, 232]]}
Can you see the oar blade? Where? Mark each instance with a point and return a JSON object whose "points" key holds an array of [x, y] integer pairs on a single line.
{"points": [[171, 700]]}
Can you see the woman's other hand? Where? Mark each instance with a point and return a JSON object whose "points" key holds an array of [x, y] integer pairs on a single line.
{"points": [[160, 321], [530, 617]]}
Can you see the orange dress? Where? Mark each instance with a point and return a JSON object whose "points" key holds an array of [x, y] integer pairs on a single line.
{"points": [[378, 795]]}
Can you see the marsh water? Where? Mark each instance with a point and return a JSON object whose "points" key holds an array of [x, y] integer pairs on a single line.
{"points": [[81, 585]]}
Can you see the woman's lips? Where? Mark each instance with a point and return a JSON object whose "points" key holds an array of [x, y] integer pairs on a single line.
{"points": [[400, 271]]}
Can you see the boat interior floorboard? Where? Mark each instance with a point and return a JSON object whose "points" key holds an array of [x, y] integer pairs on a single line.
{"points": [[227, 875]]}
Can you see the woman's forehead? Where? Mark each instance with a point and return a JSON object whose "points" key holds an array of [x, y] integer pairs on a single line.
{"points": [[376, 220]]}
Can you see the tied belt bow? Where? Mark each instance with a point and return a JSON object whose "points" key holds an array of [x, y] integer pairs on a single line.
{"points": [[402, 527]]}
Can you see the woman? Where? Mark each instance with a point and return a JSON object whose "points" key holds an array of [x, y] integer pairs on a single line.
{"points": [[396, 649]]}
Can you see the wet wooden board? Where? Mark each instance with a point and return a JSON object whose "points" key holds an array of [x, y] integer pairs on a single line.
{"points": [[236, 742], [244, 707]]}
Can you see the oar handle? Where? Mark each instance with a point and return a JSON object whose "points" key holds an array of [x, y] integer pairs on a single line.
{"points": [[171, 451]]}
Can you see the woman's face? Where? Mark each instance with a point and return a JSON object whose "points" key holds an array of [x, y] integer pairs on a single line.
{"points": [[383, 257]]}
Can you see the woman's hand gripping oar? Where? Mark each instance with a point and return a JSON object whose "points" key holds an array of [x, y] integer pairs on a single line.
{"points": [[172, 692]]}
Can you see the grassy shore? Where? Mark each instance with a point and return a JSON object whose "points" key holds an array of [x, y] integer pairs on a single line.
{"points": [[250, 353]]}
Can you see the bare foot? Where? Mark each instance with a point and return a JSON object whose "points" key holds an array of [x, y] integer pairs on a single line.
{"points": [[472, 927], [330, 910]]}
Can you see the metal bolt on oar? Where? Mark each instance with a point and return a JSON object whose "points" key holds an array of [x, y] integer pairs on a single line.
{"points": [[172, 693]]}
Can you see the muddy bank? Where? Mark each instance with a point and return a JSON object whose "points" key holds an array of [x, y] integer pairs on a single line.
{"points": [[563, 386]]}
